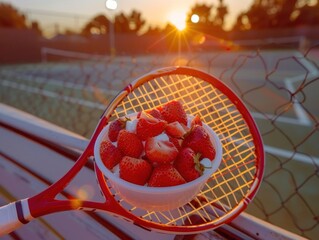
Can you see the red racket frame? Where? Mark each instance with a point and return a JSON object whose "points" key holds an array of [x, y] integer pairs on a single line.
{"points": [[46, 202]]}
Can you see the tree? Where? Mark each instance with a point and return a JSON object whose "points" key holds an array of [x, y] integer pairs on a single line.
{"points": [[258, 16], [283, 17], [153, 30], [98, 25], [207, 23], [203, 12], [241, 22], [307, 15], [10, 17], [121, 23], [136, 21], [36, 27], [131, 23], [222, 11], [265, 14]]}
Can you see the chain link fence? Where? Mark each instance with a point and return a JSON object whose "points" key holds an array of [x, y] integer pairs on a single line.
{"points": [[279, 86]]}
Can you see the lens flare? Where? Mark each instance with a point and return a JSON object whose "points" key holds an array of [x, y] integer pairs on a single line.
{"points": [[85, 192], [195, 18], [111, 4]]}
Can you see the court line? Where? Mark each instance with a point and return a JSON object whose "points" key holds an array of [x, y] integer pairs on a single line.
{"points": [[22, 87], [302, 117], [309, 65], [270, 117], [45, 51], [58, 83], [301, 114], [300, 157]]}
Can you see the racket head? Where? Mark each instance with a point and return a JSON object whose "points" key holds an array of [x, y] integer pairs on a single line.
{"points": [[157, 198], [235, 183]]}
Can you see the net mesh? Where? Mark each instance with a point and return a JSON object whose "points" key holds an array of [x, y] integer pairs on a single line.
{"points": [[279, 86]]}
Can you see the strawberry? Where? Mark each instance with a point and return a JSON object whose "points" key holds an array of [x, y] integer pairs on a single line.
{"points": [[164, 176], [196, 121], [115, 127], [174, 111], [199, 140], [149, 126], [129, 144], [188, 165], [160, 151], [176, 129], [155, 112], [176, 142], [110, 154], [135, 170]]}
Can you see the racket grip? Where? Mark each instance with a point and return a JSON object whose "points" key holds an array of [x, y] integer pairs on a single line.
{"points": [[13, 216]]}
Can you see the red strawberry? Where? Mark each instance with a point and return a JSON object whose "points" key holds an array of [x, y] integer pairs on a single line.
{"points": [[176, 142], [115, 127], [155, 113], [129, 144], [110, 154], [174, 111], [149, 126], [160, 108], [196, 121], [199, 140], [164, 176], [135, 170], [176, 129], [188, 165], [160, 151]]}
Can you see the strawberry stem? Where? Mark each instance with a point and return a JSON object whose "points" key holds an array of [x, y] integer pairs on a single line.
{"points": [[198, 166]]}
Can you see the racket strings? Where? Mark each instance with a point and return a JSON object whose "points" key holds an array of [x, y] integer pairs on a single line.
{"points": [[229, 185]]}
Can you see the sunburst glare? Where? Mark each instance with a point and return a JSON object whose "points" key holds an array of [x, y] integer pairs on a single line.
{"points": [[178, 19]]}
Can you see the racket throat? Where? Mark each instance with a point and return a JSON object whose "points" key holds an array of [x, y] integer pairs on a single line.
{"points": [[45, 202]]}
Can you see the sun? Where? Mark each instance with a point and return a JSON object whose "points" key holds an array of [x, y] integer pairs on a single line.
{"points": [[178, 19]]}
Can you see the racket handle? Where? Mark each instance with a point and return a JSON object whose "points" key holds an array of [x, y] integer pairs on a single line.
{"points": [[13, 216]]}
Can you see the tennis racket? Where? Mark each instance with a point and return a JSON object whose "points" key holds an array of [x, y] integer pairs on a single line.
{"points": [[225, 195]]}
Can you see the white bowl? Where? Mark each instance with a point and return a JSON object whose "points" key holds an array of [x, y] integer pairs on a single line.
{"points": [[158, 198]]}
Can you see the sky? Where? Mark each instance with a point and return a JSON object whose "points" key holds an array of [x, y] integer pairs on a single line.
{"points": [[155, 12]]}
